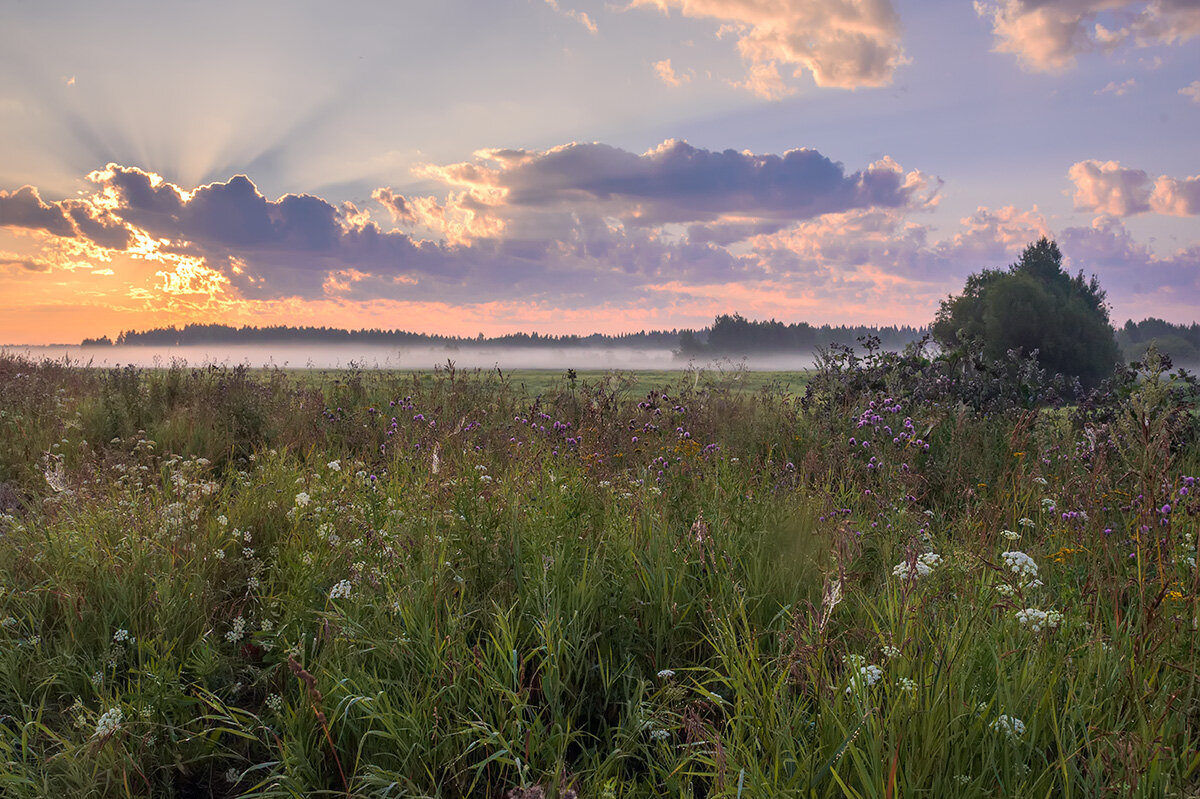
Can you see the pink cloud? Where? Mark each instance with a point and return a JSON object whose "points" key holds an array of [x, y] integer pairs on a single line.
{"points": [[667, 74], [845, 45], [1110, 189], [1048, 35]]}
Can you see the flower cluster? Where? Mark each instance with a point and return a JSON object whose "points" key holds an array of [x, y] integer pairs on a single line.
{"points": [[108, 723], [1037, 620], [341, 590], [1020, 564], [922, 566], [863, 674], [1010, 726]]}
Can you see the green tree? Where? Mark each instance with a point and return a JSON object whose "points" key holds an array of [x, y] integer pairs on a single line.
{"points": [[1034, 305]]}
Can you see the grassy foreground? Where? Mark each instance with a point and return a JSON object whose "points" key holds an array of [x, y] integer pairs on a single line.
{"points": [[217, 583]]}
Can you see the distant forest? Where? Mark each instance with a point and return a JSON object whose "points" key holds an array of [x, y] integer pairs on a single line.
{"points": [[1181, 342], [729, 334]]}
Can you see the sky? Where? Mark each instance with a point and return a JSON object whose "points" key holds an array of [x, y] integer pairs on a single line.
{"points": [[574, 166]]}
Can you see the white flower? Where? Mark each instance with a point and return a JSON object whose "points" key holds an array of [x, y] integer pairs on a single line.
{"points": [[274, 702], [866, 676], [1020, 564], [108, 723], [237, 632], [1025, 522], [302, 499], [922, 567], [1011, 726], [341, 590], [1011, 535], [890, 652], [334, 466], [1040, 481], [122, 636], [223, 520], [666, 674], [660, 735], [907, 685], [1036, 619]]}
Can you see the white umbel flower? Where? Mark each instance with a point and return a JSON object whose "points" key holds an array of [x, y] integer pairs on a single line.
{"points": [[108, 723], [923, 566]]}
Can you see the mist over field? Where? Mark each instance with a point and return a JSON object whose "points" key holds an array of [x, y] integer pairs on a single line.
{"points": [[298, 356]]}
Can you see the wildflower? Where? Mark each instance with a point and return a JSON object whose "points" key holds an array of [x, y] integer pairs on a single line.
{"points": [[1040, 481], [1025, 522], [660, 734], [334, 466], [223, 520], [867, 676], [1020, 564], [890, 652], [666, 674], [122, 636], [274, 702], [1036, 619], [341, 590], [1011, 535], [1011, 726], [908, 686], [108, 723], [302, 499], [237, 631], [922, 567]]}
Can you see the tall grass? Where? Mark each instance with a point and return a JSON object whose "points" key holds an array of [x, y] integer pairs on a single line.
{"points": [[217, 583]]}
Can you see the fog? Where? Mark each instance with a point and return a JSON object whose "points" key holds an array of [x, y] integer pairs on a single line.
{"points": [[366, 356]]}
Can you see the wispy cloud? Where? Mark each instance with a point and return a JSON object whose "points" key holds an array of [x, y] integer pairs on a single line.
{"points": [[1119, 89], [579, 16], [667, 74]]}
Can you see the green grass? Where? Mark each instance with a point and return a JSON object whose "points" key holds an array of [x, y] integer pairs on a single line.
{"points": [[283, 593]]}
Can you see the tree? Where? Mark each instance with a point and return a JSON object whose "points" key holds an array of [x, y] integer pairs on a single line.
{"points": [[1034, 305]]}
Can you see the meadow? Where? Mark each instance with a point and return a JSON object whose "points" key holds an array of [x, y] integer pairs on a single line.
{"points": [[863, 582]]}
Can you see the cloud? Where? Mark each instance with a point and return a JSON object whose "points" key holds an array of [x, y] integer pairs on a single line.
{"points": [[1048, 35], [24, 208], [679, 183], [24, 262], [1119, 89], [590, 226], [847, 44], [1192, 91], [1108, 188], [579, 16], [666, 73]]}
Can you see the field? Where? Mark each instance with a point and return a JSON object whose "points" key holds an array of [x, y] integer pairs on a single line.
{"points": [[222, 583]]}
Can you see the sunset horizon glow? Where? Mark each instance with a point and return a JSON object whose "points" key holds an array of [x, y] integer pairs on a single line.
{"points": [[575, 167]]}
